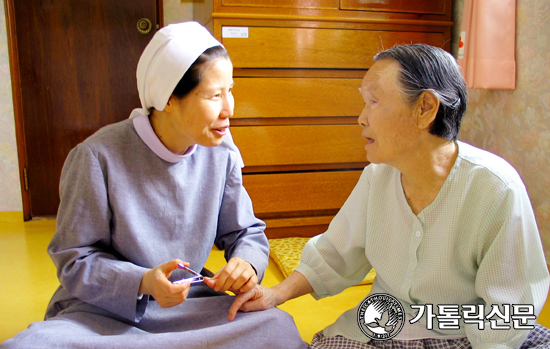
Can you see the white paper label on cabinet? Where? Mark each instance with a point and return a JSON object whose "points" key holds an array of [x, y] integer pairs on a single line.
{"points": [[235, 32]]}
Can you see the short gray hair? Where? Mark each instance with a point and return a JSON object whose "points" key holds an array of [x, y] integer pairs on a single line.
{"points": [[428, 68]]}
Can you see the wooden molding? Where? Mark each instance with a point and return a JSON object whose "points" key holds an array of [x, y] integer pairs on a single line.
{"points": [[298, 73], [336, 120], [344, 166], [17, 105], [281, 17], [160, 14], [303, 231]]}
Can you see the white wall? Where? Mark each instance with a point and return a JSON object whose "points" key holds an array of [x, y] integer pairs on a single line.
{"points": [[10, 188], [177, 11]]}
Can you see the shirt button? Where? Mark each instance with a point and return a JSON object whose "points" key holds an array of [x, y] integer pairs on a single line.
{"points": [[418, 234]]}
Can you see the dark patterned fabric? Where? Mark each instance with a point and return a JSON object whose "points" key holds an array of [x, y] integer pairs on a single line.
{"points": [[539, 338]]}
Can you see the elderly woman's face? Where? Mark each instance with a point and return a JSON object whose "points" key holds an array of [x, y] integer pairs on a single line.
{"points": [[203, 114], [387, 119]]}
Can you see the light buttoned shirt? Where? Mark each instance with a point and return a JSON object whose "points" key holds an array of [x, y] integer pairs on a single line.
{"points": [[476, 243]]}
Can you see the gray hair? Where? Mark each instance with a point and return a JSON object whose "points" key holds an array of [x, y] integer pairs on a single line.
{"points": [[428, 68]]}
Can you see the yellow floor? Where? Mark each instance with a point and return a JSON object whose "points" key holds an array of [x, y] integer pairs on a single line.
{"points": [[28, 279]]}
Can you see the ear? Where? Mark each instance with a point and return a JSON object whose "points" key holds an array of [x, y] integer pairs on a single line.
{"points": [[170, 105], [427, 107]]}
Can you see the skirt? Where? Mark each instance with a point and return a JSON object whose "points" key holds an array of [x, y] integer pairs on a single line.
{"points": [[538, 338]]}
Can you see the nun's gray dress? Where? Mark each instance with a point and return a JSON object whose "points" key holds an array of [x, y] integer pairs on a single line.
{"points": [[124, 210]]}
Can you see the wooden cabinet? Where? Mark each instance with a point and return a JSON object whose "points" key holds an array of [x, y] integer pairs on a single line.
{"points": [[298, 66], [416, 6]]}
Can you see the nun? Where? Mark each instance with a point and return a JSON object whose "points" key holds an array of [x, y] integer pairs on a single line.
{"points": [[142, 203]]}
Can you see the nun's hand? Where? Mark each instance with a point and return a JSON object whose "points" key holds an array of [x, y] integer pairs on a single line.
{"points": [[155, 283], [237, 276]]}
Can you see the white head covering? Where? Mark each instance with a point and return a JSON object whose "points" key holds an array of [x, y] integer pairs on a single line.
{"points": [[169, 54], [165, 60]]}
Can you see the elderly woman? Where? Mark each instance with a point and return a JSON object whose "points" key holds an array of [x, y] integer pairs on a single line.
{"points": [[144, 199], [448, 227]]}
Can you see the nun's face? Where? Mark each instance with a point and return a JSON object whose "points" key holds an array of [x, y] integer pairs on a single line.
{"points": [[202, 116]]}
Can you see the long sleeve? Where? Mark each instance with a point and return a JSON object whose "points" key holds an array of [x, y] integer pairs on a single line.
{"points": [[124, 210], [335, 260], [88, 267], [512, 270], [240, 233]]}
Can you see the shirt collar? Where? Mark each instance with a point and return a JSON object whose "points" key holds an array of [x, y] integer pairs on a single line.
{"points": [[149, 137]]}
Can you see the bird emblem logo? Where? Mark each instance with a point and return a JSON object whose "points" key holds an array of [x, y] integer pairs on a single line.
{"points": [[380, 316]]}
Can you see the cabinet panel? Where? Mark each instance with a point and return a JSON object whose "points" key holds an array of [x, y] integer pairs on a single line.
{"points": [[296, 97], [417, 6], [289, 227], [323, 4], [294, 145], [273, 47], [298, 64], [295, 194]]}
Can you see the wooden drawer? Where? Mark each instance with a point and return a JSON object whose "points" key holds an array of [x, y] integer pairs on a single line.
{"points": [[417, 6], [297, 97], [289, 195], [298, 65], [302, 226], [275, 47], [332, 4], [293, 145]]}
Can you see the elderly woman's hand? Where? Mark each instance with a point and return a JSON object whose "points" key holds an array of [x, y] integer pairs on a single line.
{"points": [[155, 283], [236, 276], [258, 298], [263, 298]]}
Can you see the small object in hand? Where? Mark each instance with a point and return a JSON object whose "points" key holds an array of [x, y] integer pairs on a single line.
{"points": [[196, 278]]}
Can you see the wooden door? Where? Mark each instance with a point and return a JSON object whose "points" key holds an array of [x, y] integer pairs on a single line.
{"points": [[73, 71]]}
